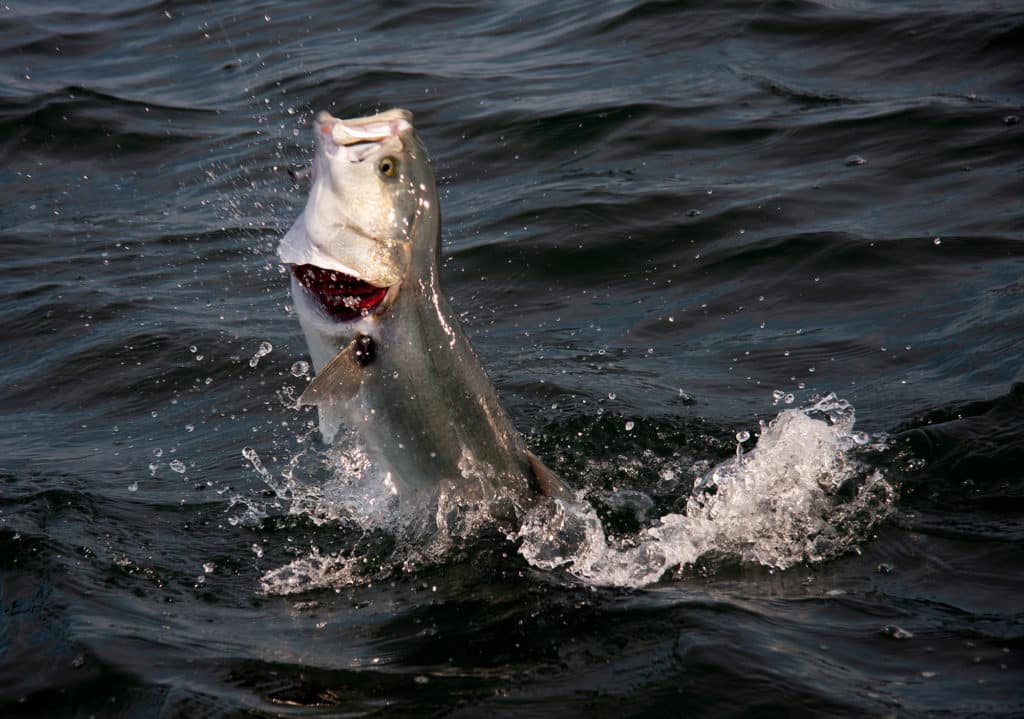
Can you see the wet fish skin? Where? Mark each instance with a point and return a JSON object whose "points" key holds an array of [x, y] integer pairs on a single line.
{"points": [[423, 405]]}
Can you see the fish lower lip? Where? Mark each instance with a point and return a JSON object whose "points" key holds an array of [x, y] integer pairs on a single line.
{"points": [[341, 296]]}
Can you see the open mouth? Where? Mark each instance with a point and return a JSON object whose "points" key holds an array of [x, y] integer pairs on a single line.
{"points": [[341, 296]]}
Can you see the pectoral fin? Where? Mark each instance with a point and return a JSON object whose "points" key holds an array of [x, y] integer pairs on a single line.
{"points": [[549, 483], [339, 380]]}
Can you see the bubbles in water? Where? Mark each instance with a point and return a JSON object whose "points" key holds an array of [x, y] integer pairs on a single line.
{"points": [[937, 241], [264, 349], [178, 466], [742, 436], [133, 487], [630, 425], [300, 369]]}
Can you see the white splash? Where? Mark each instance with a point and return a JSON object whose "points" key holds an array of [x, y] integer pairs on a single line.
{"points": [[775, 506], [360, 497]]}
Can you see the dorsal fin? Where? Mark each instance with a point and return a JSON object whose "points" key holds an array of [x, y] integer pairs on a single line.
{"points": [[550, 484]]}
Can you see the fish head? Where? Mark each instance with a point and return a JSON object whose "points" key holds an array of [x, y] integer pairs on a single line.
{"points": [[373, 198]]}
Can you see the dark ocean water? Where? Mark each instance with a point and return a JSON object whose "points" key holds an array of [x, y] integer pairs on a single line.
{"points": [[656, 214]]}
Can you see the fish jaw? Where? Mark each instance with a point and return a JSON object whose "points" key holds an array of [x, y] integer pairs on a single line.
{"points": [[341, 296], [351, 247], [369, 228]]}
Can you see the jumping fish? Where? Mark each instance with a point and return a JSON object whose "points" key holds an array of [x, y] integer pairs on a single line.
{"points": [[392, 363]]}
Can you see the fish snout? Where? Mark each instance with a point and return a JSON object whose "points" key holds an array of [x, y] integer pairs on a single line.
{"points": [[362, 131]]}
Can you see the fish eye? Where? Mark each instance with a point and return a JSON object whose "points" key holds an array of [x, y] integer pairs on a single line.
{"points": [[388, 166]]}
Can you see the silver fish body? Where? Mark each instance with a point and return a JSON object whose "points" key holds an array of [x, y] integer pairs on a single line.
{"points": [[392, 363]]}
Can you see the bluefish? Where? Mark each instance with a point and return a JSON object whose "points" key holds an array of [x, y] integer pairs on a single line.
{"points": [[392, 362]]}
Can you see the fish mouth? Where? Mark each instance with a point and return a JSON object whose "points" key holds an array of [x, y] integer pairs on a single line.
{"points": [[342, 297], [360, 137]]}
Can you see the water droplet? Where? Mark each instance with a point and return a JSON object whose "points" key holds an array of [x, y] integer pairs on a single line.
{"points": [[937, 241], [300, 369], [178, 466], [193, 349], [157, 452], [895, 632], [854, 160], [742, 436], [133, 487], [789, 398], [257, 550], [861, 438], [265, 349], [630, 425], [190, 428], [611, 395], [777, 395]]}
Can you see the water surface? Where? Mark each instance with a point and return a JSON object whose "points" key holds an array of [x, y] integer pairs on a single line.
{"points": [[656, 215]]}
